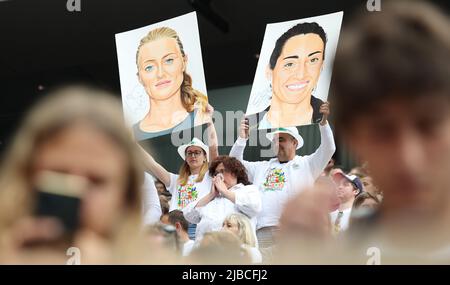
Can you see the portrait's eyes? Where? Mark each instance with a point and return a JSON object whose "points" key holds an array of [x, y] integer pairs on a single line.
{"points": [[288, 65], [149, 68], [314, 60], [169, 61]]}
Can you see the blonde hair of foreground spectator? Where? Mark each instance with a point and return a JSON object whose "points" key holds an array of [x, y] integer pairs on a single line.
{"points": [[67, 108], [220, 247]]}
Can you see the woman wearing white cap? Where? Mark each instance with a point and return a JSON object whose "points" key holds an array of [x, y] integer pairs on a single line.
{"points": [[192, 182]]}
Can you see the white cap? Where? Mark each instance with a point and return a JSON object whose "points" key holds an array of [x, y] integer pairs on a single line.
{"points": [[193, 142], [292, 131]]}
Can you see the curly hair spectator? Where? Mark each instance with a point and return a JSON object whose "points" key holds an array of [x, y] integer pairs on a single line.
{"points": [[230, 193]]}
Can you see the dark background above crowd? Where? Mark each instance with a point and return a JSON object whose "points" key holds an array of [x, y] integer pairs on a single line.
{"points": [[44, 45]]}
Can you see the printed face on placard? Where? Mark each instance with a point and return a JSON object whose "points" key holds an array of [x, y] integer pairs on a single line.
{"points": [[161, 77], [161, 66], [294, 70], [298, 68]]}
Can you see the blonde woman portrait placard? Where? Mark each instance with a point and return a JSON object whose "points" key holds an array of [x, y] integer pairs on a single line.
{"points": [[161, 75]]}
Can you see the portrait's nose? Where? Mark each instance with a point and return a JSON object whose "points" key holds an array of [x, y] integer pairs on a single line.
{"points": [[160, 72], [300, 69]]}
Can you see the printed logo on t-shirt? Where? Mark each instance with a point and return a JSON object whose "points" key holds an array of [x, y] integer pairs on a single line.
{"points": [[275, 180], [186, 194]]}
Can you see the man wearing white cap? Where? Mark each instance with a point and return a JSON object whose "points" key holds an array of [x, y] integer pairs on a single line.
{"points": [[282, 177]]}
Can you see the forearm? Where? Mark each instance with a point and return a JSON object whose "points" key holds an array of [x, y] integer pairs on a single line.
{"points": [[327, 142], [229, 195], [238, 148], [205, 200], [212, 141], [155, 168], [319, 159]]}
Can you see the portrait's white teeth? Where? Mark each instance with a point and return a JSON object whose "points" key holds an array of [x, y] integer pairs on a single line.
{"points": [[296, 86]]}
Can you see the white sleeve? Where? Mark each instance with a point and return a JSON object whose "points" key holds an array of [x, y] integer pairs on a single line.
{"points": [[237, 151], [173, 182], [320, 158], [255, 255], [248, 200], [152, 206], [191, 213]]}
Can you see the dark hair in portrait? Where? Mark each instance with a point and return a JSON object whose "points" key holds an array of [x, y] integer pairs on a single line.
{"points": [[299, 29]]}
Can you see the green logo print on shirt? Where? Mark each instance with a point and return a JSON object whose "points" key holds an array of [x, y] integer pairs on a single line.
{"points": [[186, 194], [275, 180]]}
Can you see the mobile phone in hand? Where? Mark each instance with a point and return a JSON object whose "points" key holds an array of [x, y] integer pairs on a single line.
{"points": [[58, 195]]}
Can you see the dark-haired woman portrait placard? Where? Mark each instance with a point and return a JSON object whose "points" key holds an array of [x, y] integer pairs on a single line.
{"points": [[294, 71]]}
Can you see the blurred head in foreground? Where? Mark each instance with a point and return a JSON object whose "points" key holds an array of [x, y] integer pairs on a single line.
{"points": [[222, 247], [392, 100], [78, 133], [305, 227]]}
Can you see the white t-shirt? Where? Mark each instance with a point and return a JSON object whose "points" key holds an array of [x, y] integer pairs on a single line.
{"points": [[151, 205], [278, 182], [210, 217], [187, 247], [182, 195], [345, 219]]}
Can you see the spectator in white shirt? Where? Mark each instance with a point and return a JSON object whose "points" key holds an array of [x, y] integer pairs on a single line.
{"points": [[230, 193], [280, 178], [193, 181], [193, 178]]}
